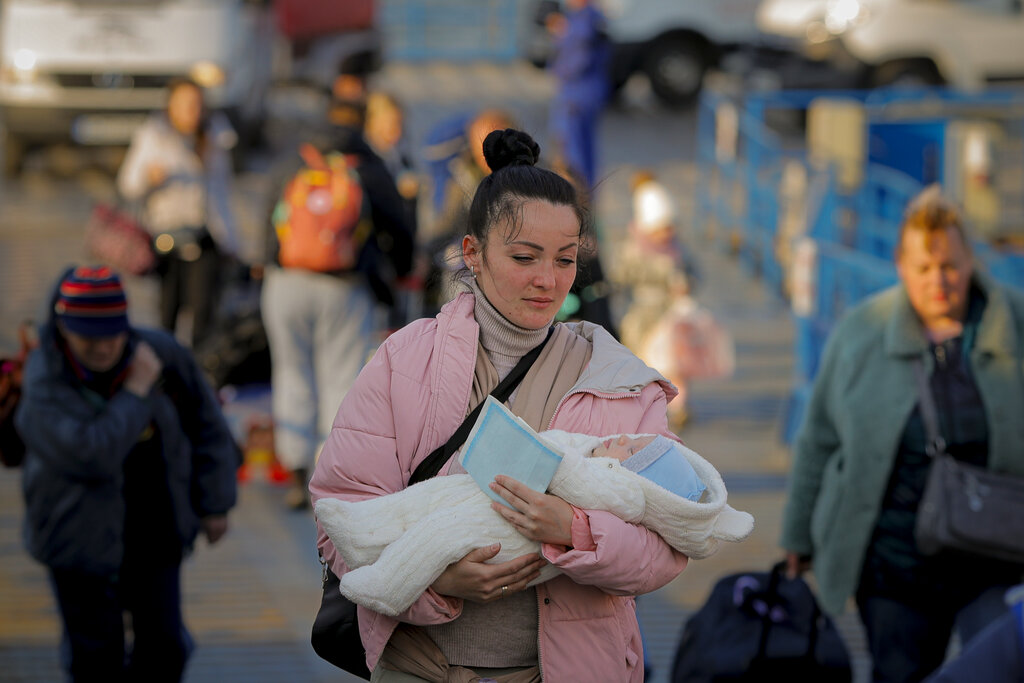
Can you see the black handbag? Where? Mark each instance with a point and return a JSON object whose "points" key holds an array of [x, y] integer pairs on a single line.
{"points": [[965, 507], [335, 635], [761, 626]]}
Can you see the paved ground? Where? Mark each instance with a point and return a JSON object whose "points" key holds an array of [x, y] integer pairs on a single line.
{"points": [[250, 600]]}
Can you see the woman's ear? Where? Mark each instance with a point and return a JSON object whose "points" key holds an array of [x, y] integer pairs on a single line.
{"points": [[471, 254]]}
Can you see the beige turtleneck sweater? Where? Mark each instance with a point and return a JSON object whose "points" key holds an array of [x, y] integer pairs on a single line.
{"points": [[501, 633]]}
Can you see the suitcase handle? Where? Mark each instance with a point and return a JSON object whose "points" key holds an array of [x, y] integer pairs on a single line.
{"points": [[768, 605]]}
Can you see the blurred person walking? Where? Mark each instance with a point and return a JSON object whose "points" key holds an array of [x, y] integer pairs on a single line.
{"points": [[861, 456], [588, 298], [128, 458], [653, 265], [385, 133], [340, 237], [580, 67], [178, 166], [459, 177]]}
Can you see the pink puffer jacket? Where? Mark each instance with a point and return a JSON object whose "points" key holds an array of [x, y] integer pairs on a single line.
{"points": [[412, 396]]}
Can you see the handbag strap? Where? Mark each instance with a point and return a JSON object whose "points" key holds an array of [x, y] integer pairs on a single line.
{"points": [[936, 444], [433, 463]]}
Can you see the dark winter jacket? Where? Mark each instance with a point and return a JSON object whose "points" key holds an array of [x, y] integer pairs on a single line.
{"points": [[77, 443]]}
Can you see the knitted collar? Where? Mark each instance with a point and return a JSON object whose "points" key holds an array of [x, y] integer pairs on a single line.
{"points": [[501, 339]]}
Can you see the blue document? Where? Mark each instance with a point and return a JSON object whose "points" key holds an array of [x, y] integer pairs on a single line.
{"points": [[502, 443]]}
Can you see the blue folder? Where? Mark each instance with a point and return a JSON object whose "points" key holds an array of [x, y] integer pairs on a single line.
{"points": [[502, 443]]}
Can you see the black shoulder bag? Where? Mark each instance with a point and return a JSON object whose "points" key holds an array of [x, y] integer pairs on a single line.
{"points": [[965, 507], [335, 635]]}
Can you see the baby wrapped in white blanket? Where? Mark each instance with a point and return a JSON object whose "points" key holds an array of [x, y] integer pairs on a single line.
{"points": [[398, 544]]}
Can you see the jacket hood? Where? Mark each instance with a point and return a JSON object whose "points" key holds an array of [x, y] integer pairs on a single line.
{"points": [[48, 333], [613, 367]]}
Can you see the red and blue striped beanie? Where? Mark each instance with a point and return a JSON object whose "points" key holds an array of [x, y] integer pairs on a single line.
{"points": [[91, 302]]}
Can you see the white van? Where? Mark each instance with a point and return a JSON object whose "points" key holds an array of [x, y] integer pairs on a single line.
{"points": [[89, 71], [963, 43], [674, 42]]}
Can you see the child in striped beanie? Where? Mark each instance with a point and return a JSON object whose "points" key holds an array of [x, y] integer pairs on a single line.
{"points": [[91, 303]]}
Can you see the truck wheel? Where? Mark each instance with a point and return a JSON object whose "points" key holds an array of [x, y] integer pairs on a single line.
{"points": [[907, 73], [676, 67]]}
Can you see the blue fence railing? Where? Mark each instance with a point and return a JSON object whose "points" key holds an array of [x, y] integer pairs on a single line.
{"points": [[455, 30]]}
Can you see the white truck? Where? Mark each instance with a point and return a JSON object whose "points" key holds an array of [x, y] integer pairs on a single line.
{"points": [[674, 42], [89, 71], [962, 43]]}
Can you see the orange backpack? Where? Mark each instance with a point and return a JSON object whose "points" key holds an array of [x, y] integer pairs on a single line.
{"points": [[319, 219]]}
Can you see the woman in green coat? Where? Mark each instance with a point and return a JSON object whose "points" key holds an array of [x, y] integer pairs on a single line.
{"points": [[860, 464]]}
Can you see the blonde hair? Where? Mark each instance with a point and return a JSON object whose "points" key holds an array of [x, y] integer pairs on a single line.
{"points": [[931, 213]]}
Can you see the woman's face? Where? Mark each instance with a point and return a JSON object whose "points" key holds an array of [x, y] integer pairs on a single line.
{"points": [[936, 270], [528, 278], [384, 125], [185, 109]]}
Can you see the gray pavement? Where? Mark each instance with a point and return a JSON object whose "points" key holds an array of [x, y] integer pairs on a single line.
{"points": [[250, 600]]}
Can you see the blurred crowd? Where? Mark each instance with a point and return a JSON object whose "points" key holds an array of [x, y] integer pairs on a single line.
{"points": [[366, 234]]}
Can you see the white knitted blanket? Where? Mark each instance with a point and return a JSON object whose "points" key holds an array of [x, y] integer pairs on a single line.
{"points": [[397, 545]]}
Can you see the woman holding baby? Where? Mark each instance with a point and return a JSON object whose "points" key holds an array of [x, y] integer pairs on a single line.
{"points": [[526, 227]]}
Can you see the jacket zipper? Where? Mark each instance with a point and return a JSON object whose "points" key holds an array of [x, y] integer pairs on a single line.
{"points": [[540, 649], [595, 392]]}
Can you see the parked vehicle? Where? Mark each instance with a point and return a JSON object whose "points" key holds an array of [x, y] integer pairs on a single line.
{"points": [[89, 72], [962, 43], [674, 42]]}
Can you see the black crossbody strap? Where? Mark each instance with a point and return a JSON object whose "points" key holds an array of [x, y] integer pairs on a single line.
{"points": [[929, 414], [433, 463]]}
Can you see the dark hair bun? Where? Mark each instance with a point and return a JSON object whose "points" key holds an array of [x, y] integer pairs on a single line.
{"points": [[510, 147]]}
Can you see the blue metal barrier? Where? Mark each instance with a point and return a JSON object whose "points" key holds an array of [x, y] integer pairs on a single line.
{"points": [[457, 30], [880, 205], [855, 232], [718, 206], [845, 277], [1005, 266]]}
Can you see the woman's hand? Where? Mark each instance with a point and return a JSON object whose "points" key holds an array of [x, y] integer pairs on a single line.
{"points": [[143, 371], [214, 527], [537, 516], [796, 564], [472, 579]]}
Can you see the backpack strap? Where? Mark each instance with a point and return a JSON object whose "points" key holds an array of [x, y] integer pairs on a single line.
{"points": [[312, 157], [433, 463]]}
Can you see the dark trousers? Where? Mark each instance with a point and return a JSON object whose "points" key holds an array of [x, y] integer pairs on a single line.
{"points": [[908, 642], [92, 608], [191, 285]]}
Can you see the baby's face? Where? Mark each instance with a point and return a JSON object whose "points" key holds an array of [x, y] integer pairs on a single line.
{"points": [[620, 448]]}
